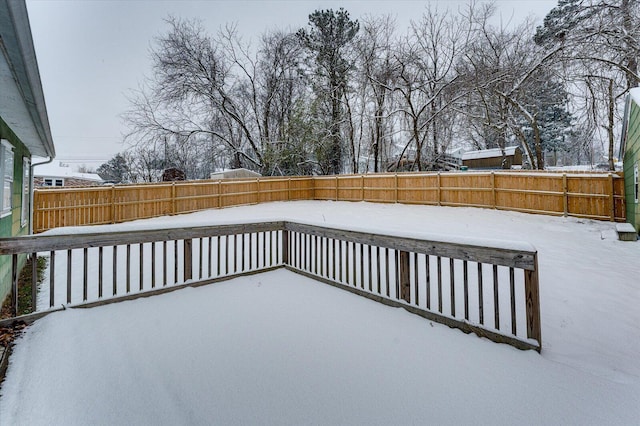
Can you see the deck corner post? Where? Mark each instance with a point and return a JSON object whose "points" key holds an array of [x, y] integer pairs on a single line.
{"points": [[532, 296], [285, 247], [405, 285], [188, 264]]}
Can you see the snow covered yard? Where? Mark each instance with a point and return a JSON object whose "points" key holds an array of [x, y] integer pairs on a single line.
{"points": [[279, 348]]}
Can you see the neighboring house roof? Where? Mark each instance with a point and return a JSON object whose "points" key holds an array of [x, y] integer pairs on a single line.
{"points": [[489, 153], [22, 104], [457, 152], [55, 169]]}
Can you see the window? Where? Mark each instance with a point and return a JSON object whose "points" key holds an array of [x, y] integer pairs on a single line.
{"points": [[53, 182], [26, 198], [635, 181], [6, 169]]}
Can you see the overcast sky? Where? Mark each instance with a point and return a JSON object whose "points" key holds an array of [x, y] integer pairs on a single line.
{"points": [[92, 53]]}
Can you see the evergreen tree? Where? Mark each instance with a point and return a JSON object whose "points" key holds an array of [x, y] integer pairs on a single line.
{"points": [[329, 35], [548, 99], [116, 170]]}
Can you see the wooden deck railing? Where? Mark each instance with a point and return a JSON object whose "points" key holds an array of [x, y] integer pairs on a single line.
{"points": [[596, 196], [490, 289]]}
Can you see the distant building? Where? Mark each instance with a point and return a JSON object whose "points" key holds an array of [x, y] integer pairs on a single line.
{"points": [[235, 173], [173, 174], [630, 153], [493, 158], [57, 174]]}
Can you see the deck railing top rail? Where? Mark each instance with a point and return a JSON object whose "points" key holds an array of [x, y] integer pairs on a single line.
{"points": [[45, 242]]}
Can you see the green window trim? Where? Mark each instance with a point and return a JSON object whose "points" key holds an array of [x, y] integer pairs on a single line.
{"points": [[6, 171], [635, 182], [26, 198]]}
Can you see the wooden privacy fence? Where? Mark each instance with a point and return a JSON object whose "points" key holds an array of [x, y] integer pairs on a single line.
{"points": [[490, 289], [595, 196]]}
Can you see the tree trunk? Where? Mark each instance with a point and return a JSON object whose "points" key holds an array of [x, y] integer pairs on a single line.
{"points": [[612, 102], [631, 61]]}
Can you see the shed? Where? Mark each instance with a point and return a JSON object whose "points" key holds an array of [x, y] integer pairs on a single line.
{"points": [[630, 154], [235, 173], [24, 127], [493, 158]]}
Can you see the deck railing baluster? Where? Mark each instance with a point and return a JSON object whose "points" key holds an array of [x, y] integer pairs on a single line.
{"points": [[69, 272], [52, 277], [496, 304], [85, 274]]}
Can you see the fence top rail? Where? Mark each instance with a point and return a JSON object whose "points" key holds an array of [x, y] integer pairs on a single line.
{"points": [[505, 253], [544, 173], [547, 173]]}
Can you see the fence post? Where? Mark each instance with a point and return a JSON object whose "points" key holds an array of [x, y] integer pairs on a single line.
{"points": [[188, 264], [612, 198], [285, 247], [405, 286], [532, 297], [173, 198], [396, 187], [565, 195], [493, 189], [113, 204], [336, 187], [219, 193], [362, 176], [289, 189], [439, 190], [258, 192]]}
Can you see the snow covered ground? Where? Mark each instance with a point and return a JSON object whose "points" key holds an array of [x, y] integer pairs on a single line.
{"points": [[278, 348]]}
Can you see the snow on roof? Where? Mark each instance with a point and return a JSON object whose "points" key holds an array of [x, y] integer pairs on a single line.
{"points": [[635, 94], [456, 152], [234, 173], [488, 153], [62, 170]]}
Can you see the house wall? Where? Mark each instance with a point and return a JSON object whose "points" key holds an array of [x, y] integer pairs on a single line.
{"points": [[631, 158], [10, 225], [68, 181]]}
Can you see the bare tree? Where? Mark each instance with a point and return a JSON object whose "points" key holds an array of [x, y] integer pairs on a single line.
{"points": [[428, 81], [507, 70], [602, 63]]}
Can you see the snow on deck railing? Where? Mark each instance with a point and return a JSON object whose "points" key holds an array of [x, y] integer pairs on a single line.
{"points": [[489, 288]]}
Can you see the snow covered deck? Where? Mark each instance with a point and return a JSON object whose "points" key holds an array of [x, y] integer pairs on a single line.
{"points": [[278, 348]]}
